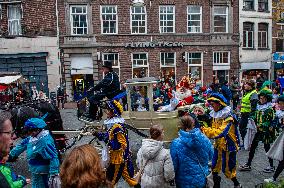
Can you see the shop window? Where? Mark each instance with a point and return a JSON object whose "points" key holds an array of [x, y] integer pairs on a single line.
{"points": [[138, 20], [220, 76], [195, 66], [140, 65], [221, 58], [78, 19], [114, 58], [167, 19], [109, 19], [248, 34], [220, 17], [248, 5], [194, 19], [14, 19], [279, 45], [168, 66], [262, 35], [262, 5]]}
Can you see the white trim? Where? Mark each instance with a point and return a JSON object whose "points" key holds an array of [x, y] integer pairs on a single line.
{"points": [[256, 65], [138, 24], [116, 20], [71, 18], [225, 67], [200, 20], [220, 58], [174, 18], [19, 26], [140, 66], [227, 18]]}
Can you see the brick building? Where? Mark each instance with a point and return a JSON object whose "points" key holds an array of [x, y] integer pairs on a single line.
{"points": [[29, 41], [278, 38], [161, 38]]}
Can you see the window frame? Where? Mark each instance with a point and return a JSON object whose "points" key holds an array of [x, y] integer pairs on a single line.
{"points": [[227, 18], [265, 2], [118, 63], [102, 21], [260, 37], [246, 35], [131, 20], [195, 65], [71, 19], [200, 20], [140, 66], [222, 64], [19, 25], [174, 19], [168, 66], [253, 5], [227, 74]]}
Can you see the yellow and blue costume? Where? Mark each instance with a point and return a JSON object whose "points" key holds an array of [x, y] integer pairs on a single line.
{"points": [[224, 131], [117, 140]]}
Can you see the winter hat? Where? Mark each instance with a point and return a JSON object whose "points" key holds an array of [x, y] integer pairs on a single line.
{"points": [[35, 123], [219, 98]]}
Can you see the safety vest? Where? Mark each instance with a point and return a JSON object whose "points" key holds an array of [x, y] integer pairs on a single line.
{"points": [[246, 106]]}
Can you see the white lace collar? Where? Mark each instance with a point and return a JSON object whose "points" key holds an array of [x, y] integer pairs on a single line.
{"points": [[110, 122], [221, 113], [40, 135], [263, 107]]}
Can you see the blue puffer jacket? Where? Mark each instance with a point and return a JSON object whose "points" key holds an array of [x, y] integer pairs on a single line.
{"points": [[184, 152]]}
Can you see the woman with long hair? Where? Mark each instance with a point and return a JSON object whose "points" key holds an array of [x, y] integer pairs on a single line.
{"points": [[82, 169]]}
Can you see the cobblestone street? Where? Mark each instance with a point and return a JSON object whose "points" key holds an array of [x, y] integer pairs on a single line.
{"points": [[247, 179]]}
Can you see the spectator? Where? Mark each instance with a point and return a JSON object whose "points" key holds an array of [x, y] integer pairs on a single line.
{"points": [[226, 92], [41, 153], [60, 97], [191, 152], [275, 95], [82, 169], [235, 88], [157, 162]]}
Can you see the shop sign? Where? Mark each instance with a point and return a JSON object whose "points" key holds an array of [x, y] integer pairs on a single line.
{"points": [[278, 57], [153, 45]]}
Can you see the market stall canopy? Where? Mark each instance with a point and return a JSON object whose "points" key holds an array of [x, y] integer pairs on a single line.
{"points": [[12, 79], [3, 88]]}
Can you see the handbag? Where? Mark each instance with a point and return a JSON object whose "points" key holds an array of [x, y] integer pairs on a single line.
{"points": [[251, 131], [209, 177], [139, 174], [276, 150]]}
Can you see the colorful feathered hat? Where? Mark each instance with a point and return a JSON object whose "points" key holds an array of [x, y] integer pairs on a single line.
{"points": [[115, 106], [219, 98]]}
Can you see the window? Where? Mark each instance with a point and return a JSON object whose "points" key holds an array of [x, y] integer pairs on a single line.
{"points": [[168, 66], [194, 19], [109, 19], [167, 19], [221, 75], [140, 65], [195, 62], [262, 35], [220, 19], [14, 19], [279, 45], [248, 35], [221, 58], [114, 58], [138, 20], [248, 5], [79, 21], [262, 5]]}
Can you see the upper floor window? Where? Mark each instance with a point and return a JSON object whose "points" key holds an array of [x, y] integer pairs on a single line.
{"points": [[138, 20], [14, 19], [248, 5], [114, 58], [109, 19], [221, 58], [167, 19], [262, 5], [248, 34], [263, 35], [220, 19], [194, 19], [79, 20]]}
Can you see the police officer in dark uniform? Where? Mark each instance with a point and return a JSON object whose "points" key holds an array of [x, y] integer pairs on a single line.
{"points": [[108, 87]]}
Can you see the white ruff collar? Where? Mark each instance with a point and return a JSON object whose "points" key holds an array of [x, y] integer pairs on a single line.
{"points": [[40, 135], [263, 107], [221, 113], [280, 114], [110, 122]]}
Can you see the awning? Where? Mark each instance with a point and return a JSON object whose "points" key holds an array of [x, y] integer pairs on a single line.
{"points": [[255, 65], [12, 79], [2, 88]]}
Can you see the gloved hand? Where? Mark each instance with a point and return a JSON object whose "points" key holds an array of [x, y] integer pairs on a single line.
{"points": [[54, 181], [25, 182]]}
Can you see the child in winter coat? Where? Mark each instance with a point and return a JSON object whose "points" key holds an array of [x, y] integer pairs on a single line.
{"points": [[14, 181], [156, 160]]}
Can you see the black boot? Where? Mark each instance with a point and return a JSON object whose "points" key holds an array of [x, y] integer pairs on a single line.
{"points": [[217, 181]]}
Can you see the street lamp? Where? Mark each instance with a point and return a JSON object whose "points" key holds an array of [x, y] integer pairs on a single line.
{"points": [[138, 3]]}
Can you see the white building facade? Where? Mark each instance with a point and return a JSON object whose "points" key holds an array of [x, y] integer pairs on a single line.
{"points": [[255, 51]]}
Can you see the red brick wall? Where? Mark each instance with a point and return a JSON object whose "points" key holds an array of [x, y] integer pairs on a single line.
{"points": [[39, 18]]}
